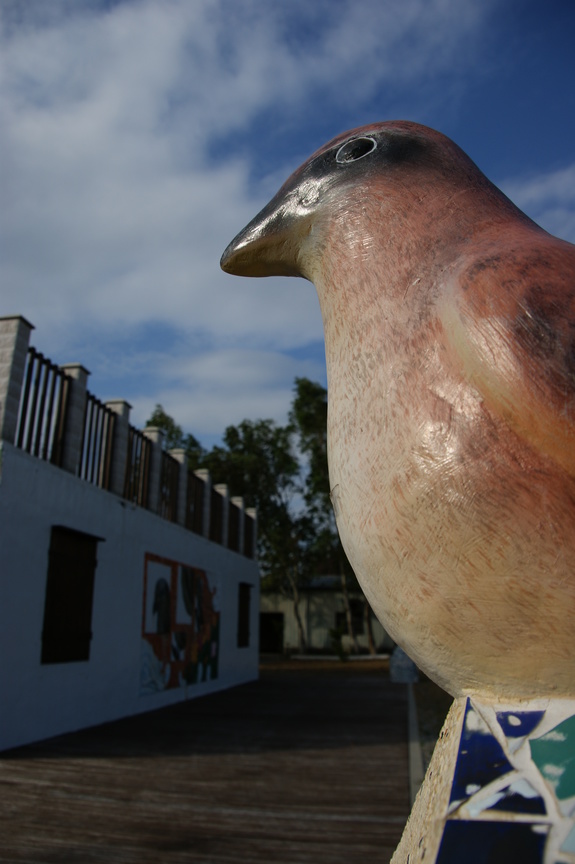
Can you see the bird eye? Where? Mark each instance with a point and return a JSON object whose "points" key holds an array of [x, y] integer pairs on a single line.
{"points": [[355, 149]]}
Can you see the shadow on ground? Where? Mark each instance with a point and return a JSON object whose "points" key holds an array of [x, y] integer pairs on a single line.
{"points": [[305, 766], [294, 705]]}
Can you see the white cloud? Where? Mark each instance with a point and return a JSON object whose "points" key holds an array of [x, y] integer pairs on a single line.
{"points": [[212, 390], [548, 198], [115, 211]]}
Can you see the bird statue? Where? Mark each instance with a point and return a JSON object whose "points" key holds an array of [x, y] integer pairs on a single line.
{"points": [[449, 321]]}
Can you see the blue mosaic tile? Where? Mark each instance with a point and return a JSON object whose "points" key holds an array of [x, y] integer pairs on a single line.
{"points": [[480, 759], [491, 843], [518, 724], [519, 797]]}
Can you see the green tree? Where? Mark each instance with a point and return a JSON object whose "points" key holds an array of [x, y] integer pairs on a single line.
{"points": [[257, 462], [288, 560], [174, 438], [308, 417]]}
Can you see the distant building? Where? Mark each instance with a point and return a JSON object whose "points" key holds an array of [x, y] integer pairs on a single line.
{"points": [[127, 582], [323, 614]]}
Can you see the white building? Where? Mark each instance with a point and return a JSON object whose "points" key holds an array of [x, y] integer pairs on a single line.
{"points": [[126, 581], [323, 617]]}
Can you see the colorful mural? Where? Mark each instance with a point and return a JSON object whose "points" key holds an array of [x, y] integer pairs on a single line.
{"points": [[180, 626]]}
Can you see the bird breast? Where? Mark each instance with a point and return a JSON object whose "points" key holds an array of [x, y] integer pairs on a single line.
{"points": [[460, 534]]}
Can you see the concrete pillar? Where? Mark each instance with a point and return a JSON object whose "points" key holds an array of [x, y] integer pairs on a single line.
{"points": [[14, 340], [75, 415], [222, 489], [156, 436], [121, 409], [239, 503], [181, 457], [252, 513], [204, 475]]}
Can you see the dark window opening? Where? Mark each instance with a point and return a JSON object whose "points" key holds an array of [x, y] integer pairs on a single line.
{"points": [[67, 629], [357, 620], [244, 598], [271, 632]]}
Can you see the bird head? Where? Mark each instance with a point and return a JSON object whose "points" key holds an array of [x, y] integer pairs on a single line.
{"points": [[359, 190]]}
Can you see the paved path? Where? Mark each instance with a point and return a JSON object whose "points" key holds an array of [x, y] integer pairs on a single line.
{"points": [[309, 764]]}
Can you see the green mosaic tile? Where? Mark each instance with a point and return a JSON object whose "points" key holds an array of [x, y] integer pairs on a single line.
{"points": [[554, 755]]}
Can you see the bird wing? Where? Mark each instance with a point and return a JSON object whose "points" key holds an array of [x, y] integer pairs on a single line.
{"points": [[509, 318]]}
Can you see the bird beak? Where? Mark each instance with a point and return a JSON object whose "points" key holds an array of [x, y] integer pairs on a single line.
{"points": [[271, 245]]}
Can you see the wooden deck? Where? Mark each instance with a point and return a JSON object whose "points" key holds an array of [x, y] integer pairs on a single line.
{"points": [[309, 764]]}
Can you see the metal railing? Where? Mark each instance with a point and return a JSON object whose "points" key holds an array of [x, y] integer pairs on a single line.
{"points": [[234, 527], [97, 443], [196, 490], [42, 416], [216, 517], [169, 484], [41, 428], [249, 525], [137, 477]]}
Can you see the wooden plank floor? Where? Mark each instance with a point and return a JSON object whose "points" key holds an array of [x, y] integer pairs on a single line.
{"points": [[309, 764]]}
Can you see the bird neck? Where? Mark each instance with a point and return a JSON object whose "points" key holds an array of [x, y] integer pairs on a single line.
{"points": [[376, 250]]}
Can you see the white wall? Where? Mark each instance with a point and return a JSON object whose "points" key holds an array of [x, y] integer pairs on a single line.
{"points": [[41, 700]]}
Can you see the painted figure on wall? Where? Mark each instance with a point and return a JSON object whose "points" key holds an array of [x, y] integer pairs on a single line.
{"points": [[180, 626], [162, 611], [198, 598]]}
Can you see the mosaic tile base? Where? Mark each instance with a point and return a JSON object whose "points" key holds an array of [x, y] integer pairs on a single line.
{"points": [[513, 790]]}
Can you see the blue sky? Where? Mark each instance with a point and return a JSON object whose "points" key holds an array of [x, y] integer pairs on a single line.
{"points": [[138, 137]]}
